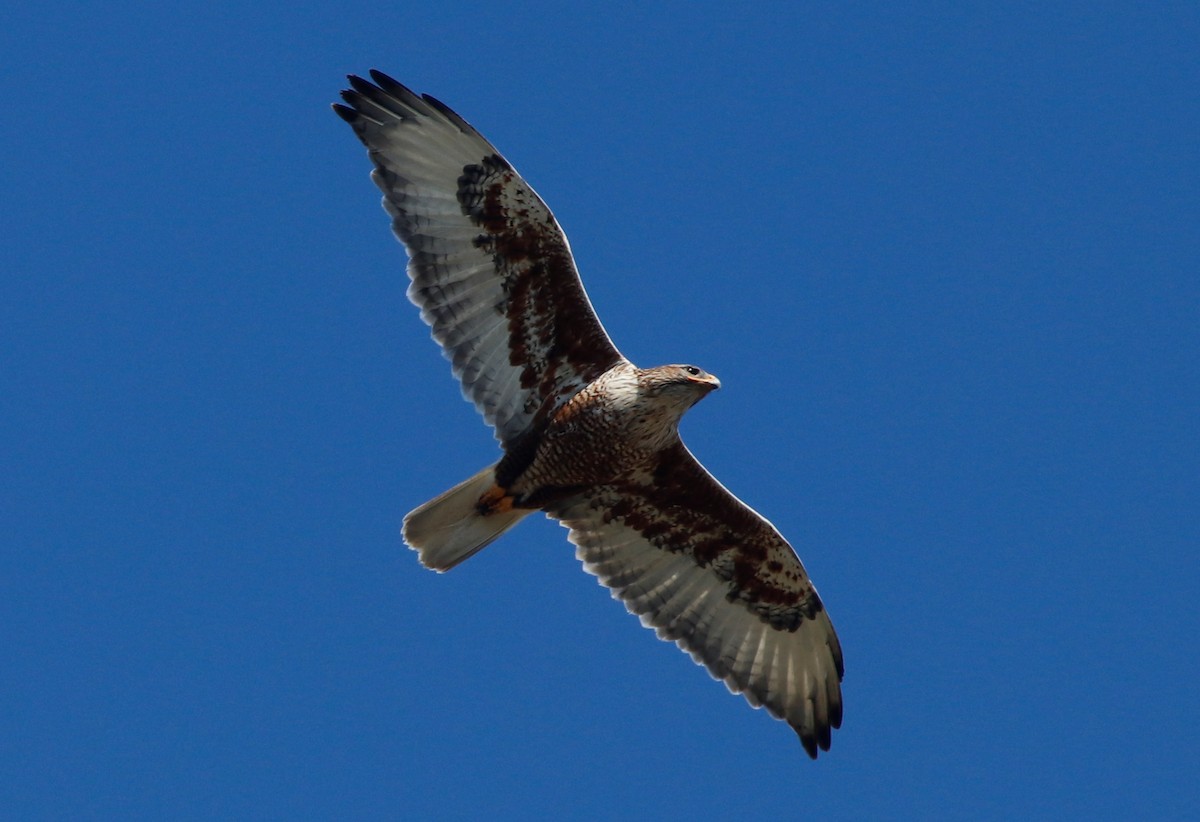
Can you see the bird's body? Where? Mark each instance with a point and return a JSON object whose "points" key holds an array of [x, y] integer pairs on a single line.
{"points": [[622, 420], [588, 438]]}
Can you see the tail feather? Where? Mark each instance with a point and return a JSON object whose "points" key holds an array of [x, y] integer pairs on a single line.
{"points": [[451, 527]]}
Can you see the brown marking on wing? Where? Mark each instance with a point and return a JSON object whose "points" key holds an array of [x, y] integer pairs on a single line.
{"points": [[682, 508], [554, 337], [491, 269], [708, 573]]}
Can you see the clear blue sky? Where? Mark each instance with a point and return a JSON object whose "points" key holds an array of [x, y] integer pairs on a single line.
{"points": [[945, 258]]}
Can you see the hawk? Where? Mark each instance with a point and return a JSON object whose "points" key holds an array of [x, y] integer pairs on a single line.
{"points": [[587, 437]]}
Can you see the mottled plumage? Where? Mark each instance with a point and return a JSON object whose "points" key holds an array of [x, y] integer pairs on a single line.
{"points": [[588, 438]]}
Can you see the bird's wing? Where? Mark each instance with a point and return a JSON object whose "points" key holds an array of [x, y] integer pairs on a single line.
{"points": [[707, 572], [491, 270]]}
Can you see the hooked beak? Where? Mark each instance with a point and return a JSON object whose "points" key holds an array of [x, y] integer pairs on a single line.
{"points": [[707, 380]]}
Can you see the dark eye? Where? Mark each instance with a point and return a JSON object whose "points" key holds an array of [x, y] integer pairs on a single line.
{"points": [[693, 370]]}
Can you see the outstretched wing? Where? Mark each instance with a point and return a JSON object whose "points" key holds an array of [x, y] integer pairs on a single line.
{"points": [[704, 570], [491, 269]]}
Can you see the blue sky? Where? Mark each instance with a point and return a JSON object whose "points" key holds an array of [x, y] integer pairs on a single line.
{"points": [[943, 256]]}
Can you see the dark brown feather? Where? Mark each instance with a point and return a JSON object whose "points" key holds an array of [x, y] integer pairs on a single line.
{"points": [[555, 338], [682, 508]]}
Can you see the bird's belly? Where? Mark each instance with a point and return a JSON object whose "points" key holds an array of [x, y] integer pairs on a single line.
{"points": [[578, 456]]}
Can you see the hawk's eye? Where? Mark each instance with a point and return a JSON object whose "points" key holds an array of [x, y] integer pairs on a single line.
{"points": [[693, 370]]}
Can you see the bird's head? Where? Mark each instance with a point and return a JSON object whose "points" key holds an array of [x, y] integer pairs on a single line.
{"points": [[678, 385]]}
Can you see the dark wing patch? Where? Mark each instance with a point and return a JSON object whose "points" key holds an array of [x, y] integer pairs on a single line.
{"points": [[554, 335], [707, 572], [491, 269]]}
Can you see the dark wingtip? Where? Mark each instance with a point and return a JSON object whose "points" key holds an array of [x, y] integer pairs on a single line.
{"points": [[345, 112], [447, 112], [439, 105], [386, 82], [813, 743], [359, 84], [825, 737]]}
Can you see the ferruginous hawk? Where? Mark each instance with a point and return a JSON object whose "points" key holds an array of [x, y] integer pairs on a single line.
{"points": [[588, 437]]}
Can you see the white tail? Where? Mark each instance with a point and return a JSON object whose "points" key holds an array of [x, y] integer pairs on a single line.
{"points": [[450, 528]]}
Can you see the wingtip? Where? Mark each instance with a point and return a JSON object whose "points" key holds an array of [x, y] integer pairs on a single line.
{"points": [[835, 713], [386, 81], [360, 85], [816, 742]]}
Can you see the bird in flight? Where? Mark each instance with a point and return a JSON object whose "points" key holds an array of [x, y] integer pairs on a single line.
{"points": [[587, 437]]}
